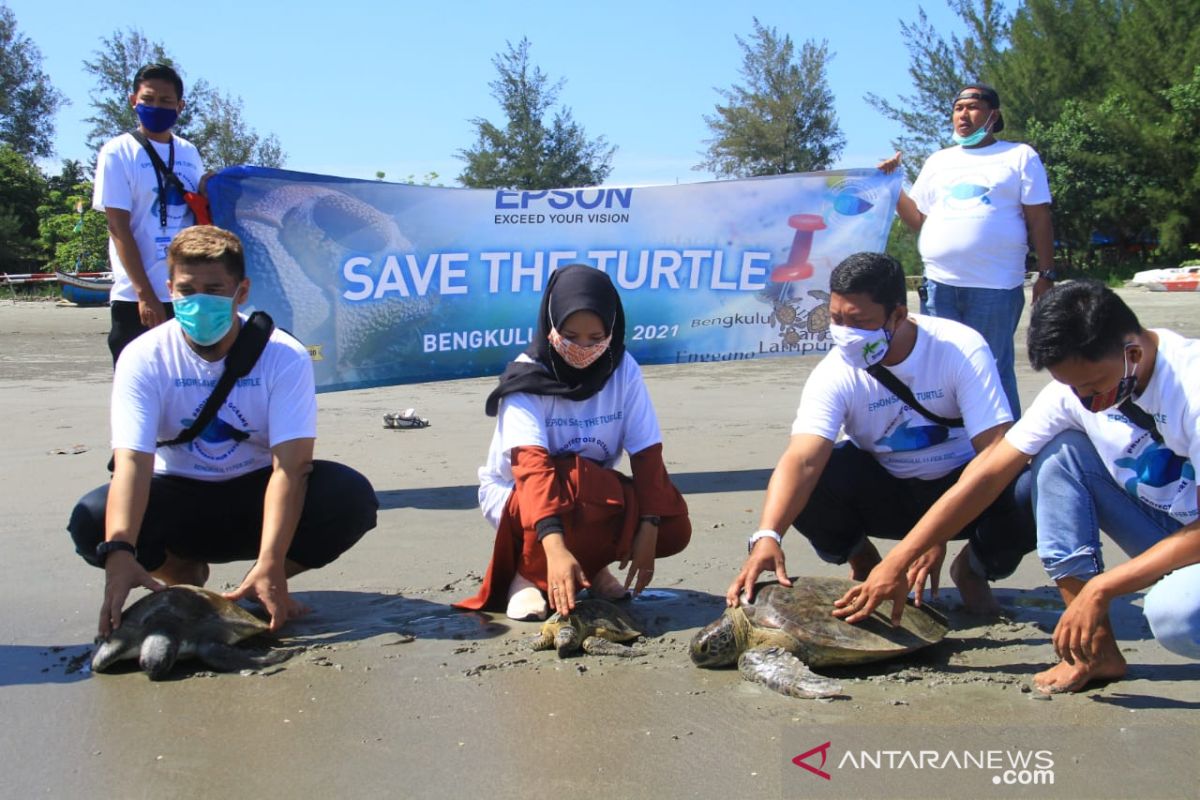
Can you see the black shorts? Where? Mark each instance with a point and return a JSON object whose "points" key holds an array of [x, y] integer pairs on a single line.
{"points": [[221, 521], [127, 324]]}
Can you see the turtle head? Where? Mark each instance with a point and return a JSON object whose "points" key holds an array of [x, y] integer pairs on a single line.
{"points": [[158, 654], [566, 641], [719, 644], [111, 649]]}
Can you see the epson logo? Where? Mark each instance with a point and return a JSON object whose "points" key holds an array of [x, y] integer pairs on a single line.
{"points": [[565, 198]]}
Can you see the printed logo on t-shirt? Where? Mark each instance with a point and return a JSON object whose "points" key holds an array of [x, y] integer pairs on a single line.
{"points": [[908, 437], [967, 194], [219, 440], [1157, 476]]}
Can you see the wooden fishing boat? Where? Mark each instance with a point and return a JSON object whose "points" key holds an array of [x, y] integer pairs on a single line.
{"points": [[85, 288]]}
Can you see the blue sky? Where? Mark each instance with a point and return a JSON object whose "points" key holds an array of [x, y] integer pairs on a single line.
{"points": [[352, 87]]}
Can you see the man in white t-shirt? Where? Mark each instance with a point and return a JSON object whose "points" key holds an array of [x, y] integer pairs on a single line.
{"points": [[247, 486], [977, 206], [895, 461], [143, 208], [1114, 443]]}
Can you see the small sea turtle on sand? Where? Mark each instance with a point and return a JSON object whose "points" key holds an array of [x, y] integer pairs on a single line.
{"points": [[775, 639], [184, 622], [597, 626]]}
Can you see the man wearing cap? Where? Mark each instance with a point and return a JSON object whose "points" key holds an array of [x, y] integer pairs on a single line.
{"points": [[977, 207]]}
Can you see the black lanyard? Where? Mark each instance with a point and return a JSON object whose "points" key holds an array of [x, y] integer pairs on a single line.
{"points": [[161, 171]]}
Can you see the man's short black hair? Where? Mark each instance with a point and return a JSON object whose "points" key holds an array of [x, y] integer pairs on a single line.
{"points": [[1079, 319], [988, 94], [877, 275], [158, 72]]}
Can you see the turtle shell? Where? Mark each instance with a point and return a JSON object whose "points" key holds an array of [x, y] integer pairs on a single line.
{"points": [[802, 613], [185, 607], [596, 617]]}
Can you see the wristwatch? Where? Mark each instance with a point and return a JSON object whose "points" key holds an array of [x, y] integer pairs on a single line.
{"points": [[105, 549], [763, 534], [1049, 275]]}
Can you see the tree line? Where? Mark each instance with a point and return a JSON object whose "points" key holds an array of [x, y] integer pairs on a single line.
{"points": [[1107, 91]]}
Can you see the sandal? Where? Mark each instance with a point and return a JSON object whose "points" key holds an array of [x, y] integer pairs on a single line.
{"points": [[405, 419]]}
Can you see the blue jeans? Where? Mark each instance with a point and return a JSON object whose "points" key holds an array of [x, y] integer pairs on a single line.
{"points": [[1074, 497], [994, 313]]}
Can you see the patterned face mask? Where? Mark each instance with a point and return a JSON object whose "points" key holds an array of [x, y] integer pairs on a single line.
{"points": [[577, 355], [1102, 401]]}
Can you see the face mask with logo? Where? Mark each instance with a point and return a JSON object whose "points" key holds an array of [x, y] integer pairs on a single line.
{"points": [[577, 355], [205, 318], [155, 119], [1102, 401], [978, 136], [860, 348]]}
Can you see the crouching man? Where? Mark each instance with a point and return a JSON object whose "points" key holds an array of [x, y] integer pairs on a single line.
{"points": [[246, 486]]}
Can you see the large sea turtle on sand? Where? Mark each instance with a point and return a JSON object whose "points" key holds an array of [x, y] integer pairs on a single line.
{"points": [[785, 631], [184, 622], [597, 626]]}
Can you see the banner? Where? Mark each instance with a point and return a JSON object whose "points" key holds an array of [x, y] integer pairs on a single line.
{"points": [[390, 283]]}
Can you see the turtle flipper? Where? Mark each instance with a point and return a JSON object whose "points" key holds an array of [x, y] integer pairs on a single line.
{"points": [[598, 646], [226, 658], [542, 641], [778, 669]]}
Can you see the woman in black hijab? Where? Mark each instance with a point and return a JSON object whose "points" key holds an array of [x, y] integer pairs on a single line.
{"points": [[567, 408]]}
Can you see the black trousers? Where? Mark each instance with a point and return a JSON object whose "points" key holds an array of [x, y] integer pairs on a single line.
{"points": [[127, 325], [856, 497], [221, 521]]}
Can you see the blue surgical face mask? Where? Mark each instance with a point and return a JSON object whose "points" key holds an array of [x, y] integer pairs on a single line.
{"points": [[861, 348], [155, 119], [978, 136], [205, 318]]}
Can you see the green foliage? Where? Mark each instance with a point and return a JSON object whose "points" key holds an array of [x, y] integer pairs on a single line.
{"points": [[528, 153], [902, 246], [22, 189], [75, 235], [28, 101], [211, 119], [939, 68], [782, 120]]}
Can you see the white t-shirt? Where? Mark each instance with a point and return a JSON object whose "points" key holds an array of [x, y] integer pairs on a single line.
{"points": [[125, 179], [974, 233], [619, 418], [950, 371], [161, 384], [1161, 476]]}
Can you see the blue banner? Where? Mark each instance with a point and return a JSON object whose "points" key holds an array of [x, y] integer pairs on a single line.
{"points": [[390, 283]]}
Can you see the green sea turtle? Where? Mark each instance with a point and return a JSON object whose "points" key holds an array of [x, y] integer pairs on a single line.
{"points": [[597, 626], [184, 622], [817, 320], [785, 631]]}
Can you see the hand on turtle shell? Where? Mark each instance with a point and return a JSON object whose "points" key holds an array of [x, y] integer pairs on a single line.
{"points": [[884, 583], [564, 576], [268, 585], [766, 555], [641, 560], [122, 573], [927, 567]]}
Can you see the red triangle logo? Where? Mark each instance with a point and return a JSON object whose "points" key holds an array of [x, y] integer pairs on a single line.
{"points": [[823, 749]]}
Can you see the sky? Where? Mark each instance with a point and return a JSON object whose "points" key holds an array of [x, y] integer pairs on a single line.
{"points": [[354, 87]]}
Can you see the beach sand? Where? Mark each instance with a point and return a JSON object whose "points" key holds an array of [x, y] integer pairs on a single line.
{"points": [[396, 695]]}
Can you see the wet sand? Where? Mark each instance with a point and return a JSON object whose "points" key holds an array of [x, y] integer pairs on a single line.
{"points": [[395, 695]]}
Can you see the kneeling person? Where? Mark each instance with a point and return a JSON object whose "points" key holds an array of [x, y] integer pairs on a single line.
{"points": [[247, 486], [896, 459]]}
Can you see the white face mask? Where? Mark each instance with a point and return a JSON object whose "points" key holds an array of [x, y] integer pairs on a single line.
{"points": [[860, 348]]}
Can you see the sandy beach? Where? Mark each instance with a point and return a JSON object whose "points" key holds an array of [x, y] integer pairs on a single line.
{"points": [[395, 695]]}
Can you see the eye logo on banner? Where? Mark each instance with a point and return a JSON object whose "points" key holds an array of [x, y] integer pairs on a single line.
{"points": [[394, 283]]}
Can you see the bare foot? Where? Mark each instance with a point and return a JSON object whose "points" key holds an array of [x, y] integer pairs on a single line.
{"points": [[865, 559], [606, 585], [175, 571], [976, 594], [1106, 665]]}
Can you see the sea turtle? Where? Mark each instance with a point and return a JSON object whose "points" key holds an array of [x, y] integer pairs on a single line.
{"points": [[817, 320], [597, 626], [184, 622], [775, 639]]}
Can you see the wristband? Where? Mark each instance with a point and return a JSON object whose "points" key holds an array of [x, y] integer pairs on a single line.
{"points": [[763, 534], [105, 549], [653, 519]]}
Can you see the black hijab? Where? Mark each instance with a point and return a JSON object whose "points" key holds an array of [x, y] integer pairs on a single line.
{"points": [[577, 287]]}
